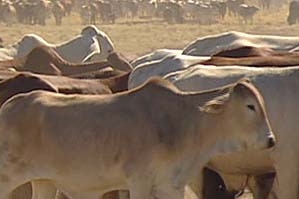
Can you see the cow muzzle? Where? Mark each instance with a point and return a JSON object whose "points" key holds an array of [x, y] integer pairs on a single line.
{"points": [[271, 142]]}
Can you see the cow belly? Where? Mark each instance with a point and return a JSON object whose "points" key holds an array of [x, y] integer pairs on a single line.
{"points": [[245, 163]]}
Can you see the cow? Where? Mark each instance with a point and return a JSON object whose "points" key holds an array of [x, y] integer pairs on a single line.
{"points": [[156, 55], [23, 83], [212, 44], [8, 13], [167, 64], [15, 83], [276, 60], [293, 16], [66, 85], [233, 6], [279, 88], [247, 12], [174, 148], [58, 11], [45, 60], [245, 51], [91, 45]]}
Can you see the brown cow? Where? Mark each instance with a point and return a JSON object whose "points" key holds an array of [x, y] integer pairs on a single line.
{"points": [[283, 60], [45, 60], [245, 51], [23, 83], [68, 85]]}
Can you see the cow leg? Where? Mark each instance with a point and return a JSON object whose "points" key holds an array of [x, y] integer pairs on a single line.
{"points": [[43, 189], [85, 195], [12, 174], [261, 185], [123, 194], [287, 174], [22, 192], [141, 187], [9, 181]]}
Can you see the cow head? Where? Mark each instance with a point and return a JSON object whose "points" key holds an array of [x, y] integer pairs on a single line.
{"points": [[242, 120]]}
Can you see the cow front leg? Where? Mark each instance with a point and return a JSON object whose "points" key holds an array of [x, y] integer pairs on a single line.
{"points": [[287, 174], [43, 189]]}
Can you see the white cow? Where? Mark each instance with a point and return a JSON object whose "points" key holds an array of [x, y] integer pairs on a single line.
{"points": [[155, 56], [160, 67], [91, 45], [279, 87], [212, 44], [151, 140]]}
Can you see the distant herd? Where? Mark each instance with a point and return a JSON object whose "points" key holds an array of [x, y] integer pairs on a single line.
{"points": [[110, 11]]}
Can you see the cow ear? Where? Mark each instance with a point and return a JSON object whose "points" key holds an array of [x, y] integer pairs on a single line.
{"points": [[216, 105], [212, 108]]}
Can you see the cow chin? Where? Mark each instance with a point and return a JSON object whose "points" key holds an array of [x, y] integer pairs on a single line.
{"points": [[261, 142]]}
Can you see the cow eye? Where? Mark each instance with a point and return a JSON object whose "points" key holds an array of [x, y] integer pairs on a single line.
{"points": [[251, 107]]}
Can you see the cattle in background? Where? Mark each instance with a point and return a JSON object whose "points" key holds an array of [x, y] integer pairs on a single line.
{"points": [[58, 11], [105, 11], [8, 13], [129, 8], [264, 4], [68, 6], [293, 16], [233, 6], [32, 12], [221, 6], [247, 12], [85, 14], [145, 9], [173, 13]]}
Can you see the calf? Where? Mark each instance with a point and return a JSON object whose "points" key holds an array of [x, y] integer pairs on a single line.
{"points": [[101, 138]]}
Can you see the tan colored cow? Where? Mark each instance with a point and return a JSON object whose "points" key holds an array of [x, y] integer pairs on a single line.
{"points": [[151, 140]]}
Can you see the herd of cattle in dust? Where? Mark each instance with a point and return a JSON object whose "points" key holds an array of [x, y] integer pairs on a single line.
{"points": [[109, 11], [214, 120]]}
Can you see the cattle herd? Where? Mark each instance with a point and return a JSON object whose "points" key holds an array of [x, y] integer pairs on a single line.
{"points": [[214, 120], [109, 11]]}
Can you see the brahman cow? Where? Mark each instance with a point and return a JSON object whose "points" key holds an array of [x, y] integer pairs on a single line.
{"points": [[91, 45], [45, 60], [276, 60], [26, 82], [245, 51], [68, 85], [279, 87], [94, 144], [212, 44], [169, 63]]}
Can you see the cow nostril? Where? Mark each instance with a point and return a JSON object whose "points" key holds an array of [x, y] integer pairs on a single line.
{"points": [[271, 142]]}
